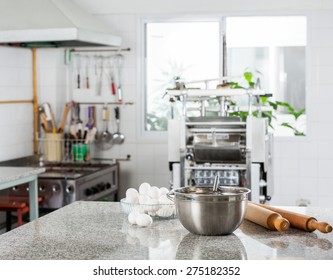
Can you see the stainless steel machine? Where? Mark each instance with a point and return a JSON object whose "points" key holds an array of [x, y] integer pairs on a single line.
{"points": [[202, 146]]}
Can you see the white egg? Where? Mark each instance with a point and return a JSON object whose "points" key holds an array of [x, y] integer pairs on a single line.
{"points": [[154, 192], [144, 188], [163, 191], [132, 191], [132, 217], [143, 198], [132, 199], [143, 220], [151, 205]]}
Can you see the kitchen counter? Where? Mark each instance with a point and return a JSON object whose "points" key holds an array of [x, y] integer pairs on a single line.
{"points": [[13, 176], [100, 230]]}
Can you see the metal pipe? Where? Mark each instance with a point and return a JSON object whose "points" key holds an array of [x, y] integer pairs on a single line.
{"points": [[15, 101], [35, 99], [101, 50], [106, 103]]}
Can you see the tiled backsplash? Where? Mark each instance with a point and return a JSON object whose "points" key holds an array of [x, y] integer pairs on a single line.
{"points": [[15, 119]]}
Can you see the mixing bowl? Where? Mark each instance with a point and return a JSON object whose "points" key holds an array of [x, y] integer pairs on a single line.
{"points": [[203, 211]]}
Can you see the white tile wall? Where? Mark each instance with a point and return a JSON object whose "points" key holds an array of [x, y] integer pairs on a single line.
{"points": [[302, 165], [16, 120]]}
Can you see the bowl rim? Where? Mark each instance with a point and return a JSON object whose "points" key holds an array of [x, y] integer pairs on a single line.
{"points": [[210, 195]]}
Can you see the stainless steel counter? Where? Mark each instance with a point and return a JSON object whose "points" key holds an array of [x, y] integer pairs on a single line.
{"points": [[100, 230]]}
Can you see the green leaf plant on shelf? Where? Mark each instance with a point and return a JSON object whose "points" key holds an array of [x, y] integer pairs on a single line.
{"points": [[263, 101]]}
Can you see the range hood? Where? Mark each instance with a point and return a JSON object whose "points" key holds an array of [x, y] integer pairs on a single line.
{"points": [[56, 23]]}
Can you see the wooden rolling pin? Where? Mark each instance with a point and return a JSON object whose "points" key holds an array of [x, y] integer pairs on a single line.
{"points": [[266, 218], [298, 220]]}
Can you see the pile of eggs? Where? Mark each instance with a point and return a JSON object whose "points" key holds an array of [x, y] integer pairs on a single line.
{"points": [[147, 202]]}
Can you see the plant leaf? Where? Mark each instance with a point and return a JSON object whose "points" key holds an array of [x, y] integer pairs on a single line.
{"points": [[235, 85], [299, 113], [288, 125], [248, 76], [263, 99], [251, 84], [268, 115], [273, 104], [287, 105], [298, 133]]}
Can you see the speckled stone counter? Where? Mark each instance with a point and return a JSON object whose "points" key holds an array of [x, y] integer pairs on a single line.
{"points": [[9, 174], [99, 230]]}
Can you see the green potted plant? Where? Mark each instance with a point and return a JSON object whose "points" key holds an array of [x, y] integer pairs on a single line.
{"points": [[264, 101]]}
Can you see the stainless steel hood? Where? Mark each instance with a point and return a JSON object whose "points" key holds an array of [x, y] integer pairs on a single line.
{"points": [[57, 23]]}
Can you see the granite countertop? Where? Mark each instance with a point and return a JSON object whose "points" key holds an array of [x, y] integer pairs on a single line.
{"points": [[8, 174], [99, 230]]}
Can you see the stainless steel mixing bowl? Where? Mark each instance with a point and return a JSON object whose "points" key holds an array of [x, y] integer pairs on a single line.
{"points": [[206, 212]]}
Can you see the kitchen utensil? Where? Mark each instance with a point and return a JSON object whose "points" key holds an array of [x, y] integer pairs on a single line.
{"points": [[90, 136], [104, 141], [266, 218], [64, 118], [205, 212], [76, 120], [72, 131], [90, 122], [111, 67], [216, 183], [87, 66], [78, 69], [117, 137], [94, 115], [44, 123], [300, 221], [50, 117], [118, 62], [99, 74]]}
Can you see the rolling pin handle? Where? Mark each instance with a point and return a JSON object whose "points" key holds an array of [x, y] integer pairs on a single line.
{"points": [[313, 224], [281, 224]]}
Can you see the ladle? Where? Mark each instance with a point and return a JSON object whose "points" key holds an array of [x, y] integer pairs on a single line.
{"points": [[117, 137], [104, 141]]}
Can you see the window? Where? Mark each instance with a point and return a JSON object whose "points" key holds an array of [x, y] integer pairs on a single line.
{"points": [[271, 47], [177, 50]]}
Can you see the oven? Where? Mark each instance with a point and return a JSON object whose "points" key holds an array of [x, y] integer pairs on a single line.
{"points": [[63, 183]]}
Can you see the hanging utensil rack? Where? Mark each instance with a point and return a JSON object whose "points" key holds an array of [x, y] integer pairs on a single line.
{"points": [[105, 87], [34, 100], [101, 50]]}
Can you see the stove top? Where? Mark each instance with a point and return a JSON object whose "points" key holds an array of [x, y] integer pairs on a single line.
{"points": [[71, 170], [68, 170], [65, 182]]}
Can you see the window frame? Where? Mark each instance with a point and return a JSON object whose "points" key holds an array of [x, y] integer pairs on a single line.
{"points": [[161, 136]]}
